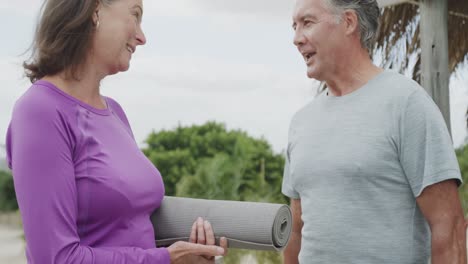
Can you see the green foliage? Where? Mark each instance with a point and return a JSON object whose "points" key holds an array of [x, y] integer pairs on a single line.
{"points": [[236, 256], [7, 192], [462, 155], [210, 162], [217, 178]]}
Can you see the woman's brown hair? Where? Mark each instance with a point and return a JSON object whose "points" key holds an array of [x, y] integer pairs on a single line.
{"points": [[62, 39]]}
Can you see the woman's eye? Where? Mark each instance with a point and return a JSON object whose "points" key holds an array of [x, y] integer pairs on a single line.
{"points": [[137, 16]]}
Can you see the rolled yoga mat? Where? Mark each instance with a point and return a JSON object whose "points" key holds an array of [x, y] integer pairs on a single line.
{"points": [[247, 225]]}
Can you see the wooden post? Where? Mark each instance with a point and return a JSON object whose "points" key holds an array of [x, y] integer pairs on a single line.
{"points": [[434, 53], [384, 3]]}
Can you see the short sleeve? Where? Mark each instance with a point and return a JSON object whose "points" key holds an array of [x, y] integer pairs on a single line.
{"points": [[426, 149], [287, 186]]}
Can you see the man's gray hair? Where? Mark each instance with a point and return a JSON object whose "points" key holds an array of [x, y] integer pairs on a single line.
{"points": [[368, 14]]}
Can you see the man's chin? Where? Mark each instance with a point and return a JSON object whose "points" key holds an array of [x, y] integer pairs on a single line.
{"points": [[313, 74]]}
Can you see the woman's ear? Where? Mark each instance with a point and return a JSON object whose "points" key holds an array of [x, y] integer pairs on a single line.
{"points": [[351, 22], [96, 13]]}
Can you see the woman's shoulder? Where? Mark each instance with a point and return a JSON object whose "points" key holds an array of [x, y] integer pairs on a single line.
{"points": [[38, 99], [41, 116], [40, 103]]}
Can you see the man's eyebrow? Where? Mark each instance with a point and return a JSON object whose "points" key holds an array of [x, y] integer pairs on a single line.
{"points": [[308, 15], [305, 16], [302, 18]]}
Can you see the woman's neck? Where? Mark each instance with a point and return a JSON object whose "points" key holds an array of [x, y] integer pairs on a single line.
{"points": [[86, 88]]}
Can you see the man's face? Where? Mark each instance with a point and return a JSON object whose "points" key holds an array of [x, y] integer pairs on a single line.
{"points": [[318, 36]]}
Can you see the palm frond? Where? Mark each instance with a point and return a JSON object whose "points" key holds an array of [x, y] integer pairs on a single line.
{"points": [[398, 40]]}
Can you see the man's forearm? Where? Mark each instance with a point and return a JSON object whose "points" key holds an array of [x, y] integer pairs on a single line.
{"points": [[291, 252], [449, 243]]}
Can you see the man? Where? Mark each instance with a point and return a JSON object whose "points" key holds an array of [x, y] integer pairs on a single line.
{"points": [[370, 167]]}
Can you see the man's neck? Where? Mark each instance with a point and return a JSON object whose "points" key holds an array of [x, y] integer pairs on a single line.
{"points": [[352, 73]]}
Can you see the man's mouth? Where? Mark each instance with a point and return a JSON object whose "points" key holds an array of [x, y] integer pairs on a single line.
{"points": [[308, 56]]}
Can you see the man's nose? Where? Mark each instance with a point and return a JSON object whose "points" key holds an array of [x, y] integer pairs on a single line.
{"points": [[299, 38]]}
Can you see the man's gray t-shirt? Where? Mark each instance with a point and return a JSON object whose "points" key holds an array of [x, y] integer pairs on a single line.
{"points": [[358, 162]]}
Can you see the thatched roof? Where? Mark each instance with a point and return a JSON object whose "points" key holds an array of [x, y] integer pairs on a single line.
{"points": [[399, 34]]}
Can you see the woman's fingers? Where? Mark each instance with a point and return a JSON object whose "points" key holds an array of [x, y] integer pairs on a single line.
{"points": [[200, 231], [209, 234], [224, 244], [181, 249], [200, 250], [206, 250], [193, 233]]}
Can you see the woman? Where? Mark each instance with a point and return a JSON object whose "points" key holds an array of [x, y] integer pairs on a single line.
{"points": [[84, 189]]}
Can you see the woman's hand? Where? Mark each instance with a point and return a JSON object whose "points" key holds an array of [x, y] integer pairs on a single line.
{"points": [[202, 233], [201, 247]]}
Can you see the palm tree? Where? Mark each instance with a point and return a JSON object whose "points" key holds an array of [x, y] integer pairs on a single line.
{"points": [[398, 42], [398, 39], [398, 45]]}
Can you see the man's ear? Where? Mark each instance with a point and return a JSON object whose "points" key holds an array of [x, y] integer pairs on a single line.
{"points": [[351, 22]]}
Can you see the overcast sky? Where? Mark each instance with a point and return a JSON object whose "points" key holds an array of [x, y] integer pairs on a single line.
{"points": [[224, 60]]}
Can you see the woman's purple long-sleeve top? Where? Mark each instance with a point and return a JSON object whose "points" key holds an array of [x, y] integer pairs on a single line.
{"points": [[84, 188]]}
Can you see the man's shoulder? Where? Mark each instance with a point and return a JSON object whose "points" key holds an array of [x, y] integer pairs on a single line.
{"points": [[395, 83], [304, 112]]}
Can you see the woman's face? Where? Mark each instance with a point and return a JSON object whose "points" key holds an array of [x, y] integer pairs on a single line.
{"points": [[118, 33]]}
